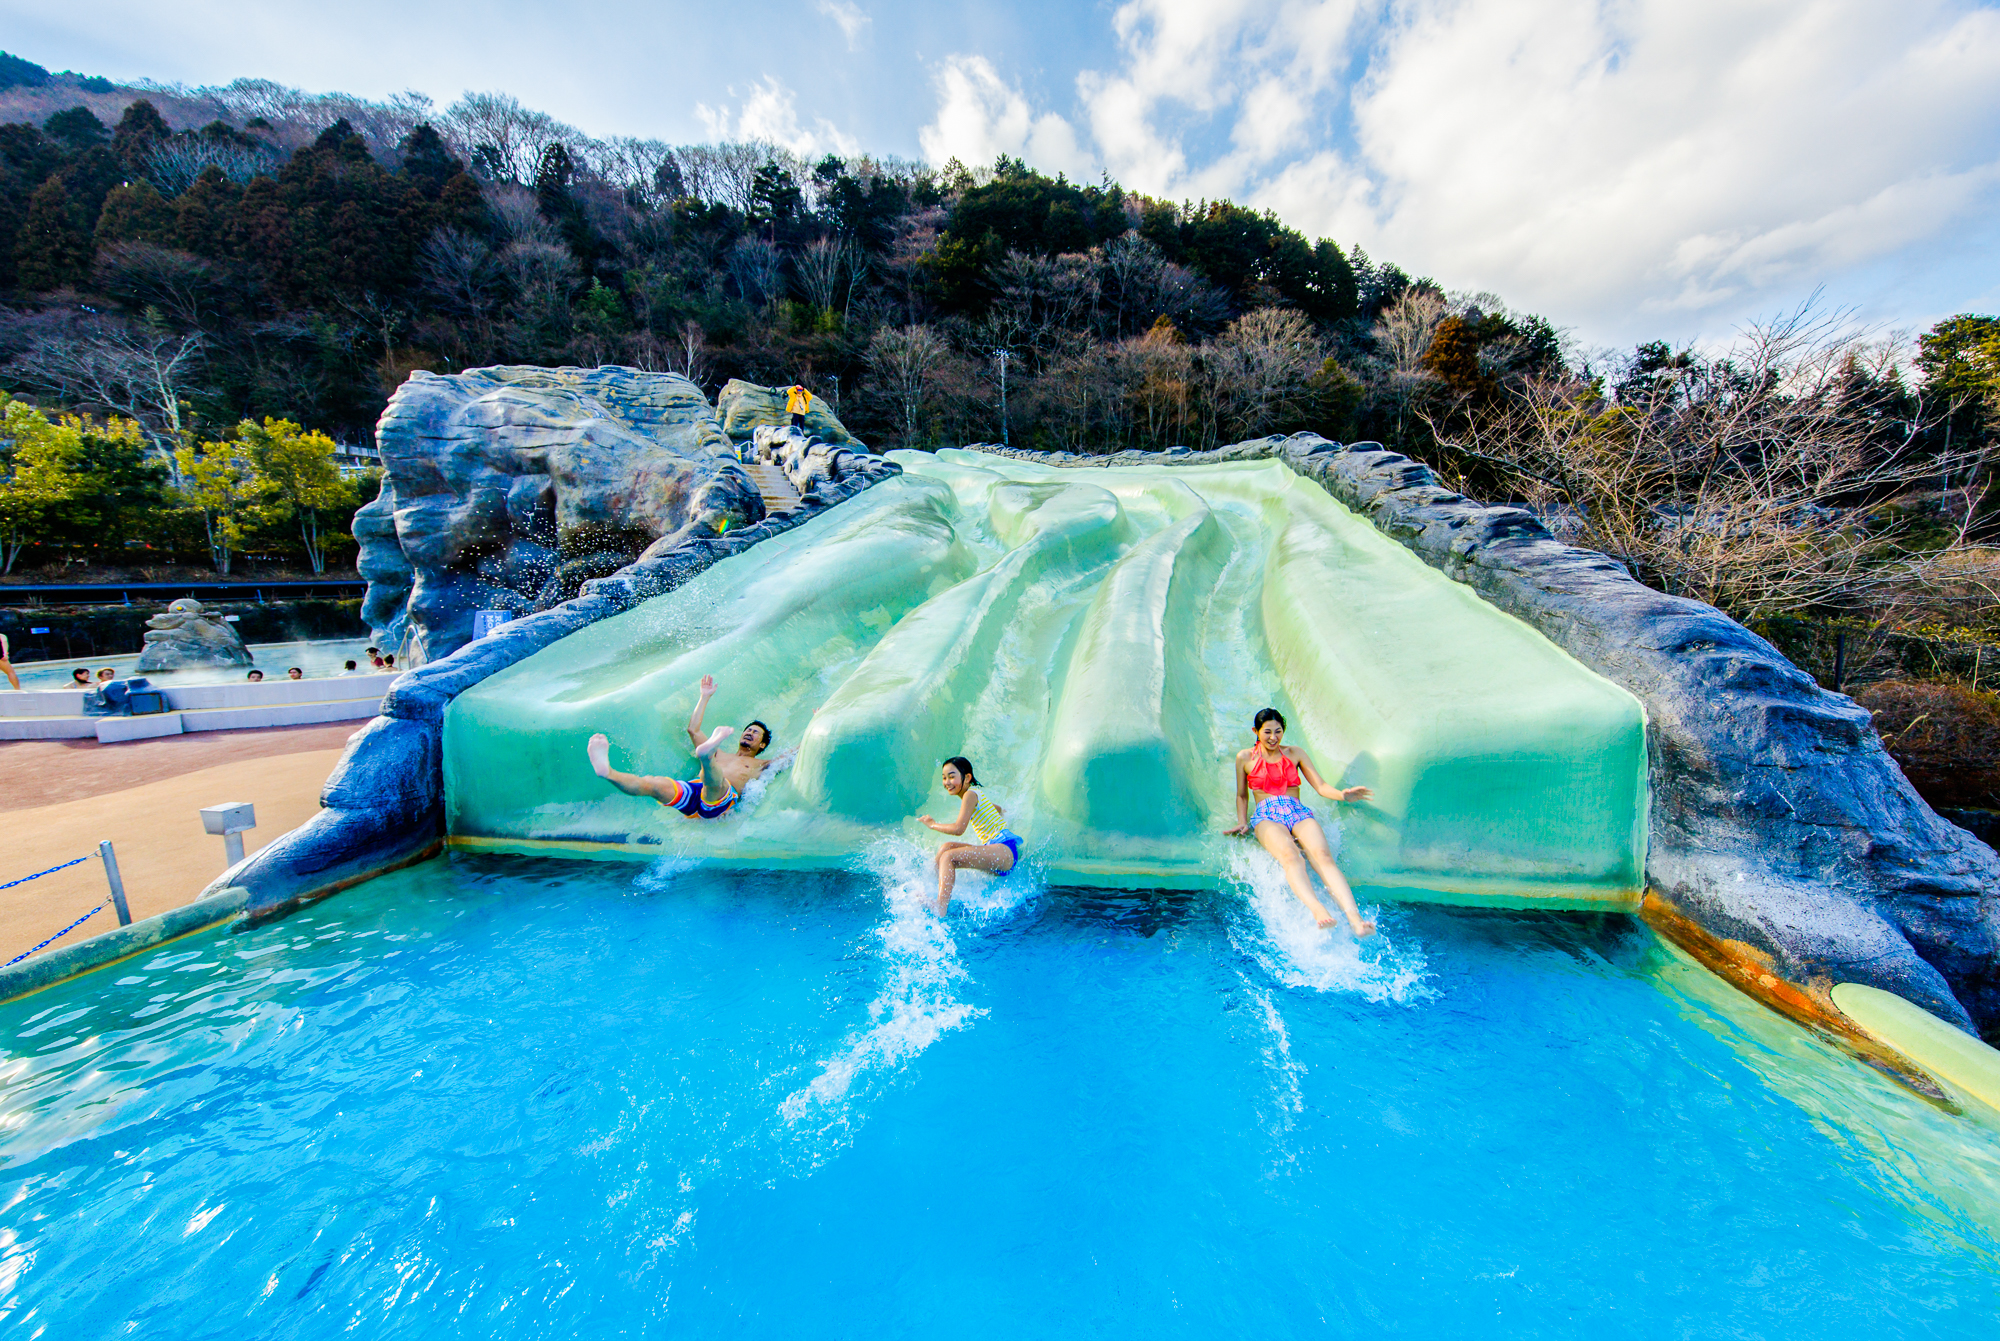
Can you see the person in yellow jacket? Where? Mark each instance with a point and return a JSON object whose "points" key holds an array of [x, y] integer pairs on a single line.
{"points": [[798, 401]]}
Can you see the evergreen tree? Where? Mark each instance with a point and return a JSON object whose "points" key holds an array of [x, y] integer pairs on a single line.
{"points": [[135, 213], [139, 132], [427, 162], [52, 250], [77, 129]]}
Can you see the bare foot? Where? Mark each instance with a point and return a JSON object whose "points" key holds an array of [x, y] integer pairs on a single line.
{"points": [[599, 750], [942, 906], [1362, 929], [716, 737]]}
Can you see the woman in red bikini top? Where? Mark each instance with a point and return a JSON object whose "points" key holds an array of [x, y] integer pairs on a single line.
{"points": [[1282, 823]]}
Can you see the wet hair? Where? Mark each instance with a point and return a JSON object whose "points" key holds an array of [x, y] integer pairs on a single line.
{"points": [[761, 727], [1267, 715], [963, 765], [254, 675], [81, 675]]}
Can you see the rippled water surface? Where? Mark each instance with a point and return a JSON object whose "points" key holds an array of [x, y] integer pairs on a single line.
{"points": [[489, 1097]]}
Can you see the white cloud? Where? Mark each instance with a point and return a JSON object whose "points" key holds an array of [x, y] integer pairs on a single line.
{"points": [[1620, 165], [771, 113], [980, 116], [849, 16]]}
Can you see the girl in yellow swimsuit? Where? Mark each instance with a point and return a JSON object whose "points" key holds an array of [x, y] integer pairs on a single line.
{"points": [[998, 848]]}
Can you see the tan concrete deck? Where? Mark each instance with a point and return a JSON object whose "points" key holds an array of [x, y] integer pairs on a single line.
{"points": [[60, 797]]}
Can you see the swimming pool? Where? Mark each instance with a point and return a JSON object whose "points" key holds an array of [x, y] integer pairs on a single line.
{"points": [[549, 1098], [317, 658]]}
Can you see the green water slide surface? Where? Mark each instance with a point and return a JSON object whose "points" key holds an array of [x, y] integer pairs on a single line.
{"points": [[1096, 641]]}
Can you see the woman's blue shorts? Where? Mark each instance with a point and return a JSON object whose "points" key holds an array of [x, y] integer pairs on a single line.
{"points": [[1285, 810]]}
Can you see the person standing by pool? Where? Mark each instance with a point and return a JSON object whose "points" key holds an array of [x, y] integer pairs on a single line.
{"points": [[998, 848], [722, 778], [7, 663], [1282, 823]]}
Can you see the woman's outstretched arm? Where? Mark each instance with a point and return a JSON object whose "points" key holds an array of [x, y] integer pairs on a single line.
{"points": [[1305, 764], [1242, 799]]}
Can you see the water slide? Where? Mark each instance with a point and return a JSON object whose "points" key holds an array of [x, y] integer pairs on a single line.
{"points": [[1096, 641]]}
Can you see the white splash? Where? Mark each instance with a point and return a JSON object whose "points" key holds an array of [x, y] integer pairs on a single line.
{"points": [[1278, 934], [753, 790], [918, 1002], [661, 873], [1286, 1072]]}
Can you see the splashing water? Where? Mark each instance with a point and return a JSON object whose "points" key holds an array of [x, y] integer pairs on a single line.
{"points": [[1285, 1071], [1277, 933], [918, 1002]]}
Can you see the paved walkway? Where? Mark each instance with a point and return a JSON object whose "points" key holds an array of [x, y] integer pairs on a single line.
{"points": [[61, 797]]}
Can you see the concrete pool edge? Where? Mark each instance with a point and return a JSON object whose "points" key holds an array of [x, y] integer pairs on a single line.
{"points": [[1526, 896], [110, 947]]}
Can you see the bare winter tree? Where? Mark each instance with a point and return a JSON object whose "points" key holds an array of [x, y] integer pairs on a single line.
{"points": [[903, 361], [687, 354], [185, 287], [458, 268], [174, 165], [820, 268], [1750, 480], [1260, 372], [144, 375], [758, 269], [502, 138]]}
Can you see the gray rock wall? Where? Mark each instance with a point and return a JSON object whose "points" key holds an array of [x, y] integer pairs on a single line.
{"points": [[508, 488], [383, 806], [1779, 823]]}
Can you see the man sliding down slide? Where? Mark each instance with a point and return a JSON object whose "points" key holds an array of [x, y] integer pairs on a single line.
{"points": [[723, 776]]}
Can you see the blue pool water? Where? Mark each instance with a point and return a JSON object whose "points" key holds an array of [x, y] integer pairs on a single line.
{"points": [[501, 1097]]}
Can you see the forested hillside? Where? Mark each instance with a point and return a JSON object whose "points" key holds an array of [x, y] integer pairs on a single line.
{"points": [[302, 269], [293, 257]]}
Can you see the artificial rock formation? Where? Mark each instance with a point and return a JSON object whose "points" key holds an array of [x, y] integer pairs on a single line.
{"points": [[185, 635], [507, 488], [744, 407], [806, 461]]}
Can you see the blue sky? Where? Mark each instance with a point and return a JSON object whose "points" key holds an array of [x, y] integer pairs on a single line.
{"points": [[1631, 168]]}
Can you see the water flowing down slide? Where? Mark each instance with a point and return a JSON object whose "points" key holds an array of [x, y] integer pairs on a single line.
{"points": [[1096, 640]]}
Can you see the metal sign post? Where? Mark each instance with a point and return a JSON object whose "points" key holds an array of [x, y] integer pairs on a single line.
{"points": [[231, 819]]}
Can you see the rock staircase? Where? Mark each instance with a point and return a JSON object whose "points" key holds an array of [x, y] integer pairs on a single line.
{"points": [[779, 495]]}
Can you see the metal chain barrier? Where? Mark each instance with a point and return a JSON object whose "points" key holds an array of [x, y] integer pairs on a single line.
{"points": [[115, 900], [51, 871], [60, 934]]}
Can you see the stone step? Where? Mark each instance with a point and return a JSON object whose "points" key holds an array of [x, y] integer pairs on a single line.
{"points": [[779, 495]]}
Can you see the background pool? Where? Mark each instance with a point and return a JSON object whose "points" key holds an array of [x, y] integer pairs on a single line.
{"points": [[496, 1096], [318, 658]]}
